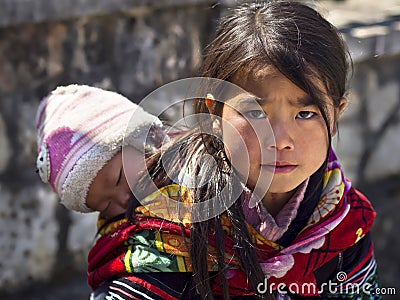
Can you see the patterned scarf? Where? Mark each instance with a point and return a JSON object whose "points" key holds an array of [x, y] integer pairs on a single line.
{"points": [[152, 244]]}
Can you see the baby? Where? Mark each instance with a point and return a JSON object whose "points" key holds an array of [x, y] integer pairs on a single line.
{"points": [[81, 131]]}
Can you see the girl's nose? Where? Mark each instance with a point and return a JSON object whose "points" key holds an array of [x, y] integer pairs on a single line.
{"points": [[282, 137]]}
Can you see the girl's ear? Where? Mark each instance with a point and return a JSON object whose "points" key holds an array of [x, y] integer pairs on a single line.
{"points": [[340, 109], [216, 124], [342, 105], [210, 102]]}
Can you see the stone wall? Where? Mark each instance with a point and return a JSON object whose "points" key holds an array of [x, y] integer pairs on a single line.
{"points": [[371, 122], [133, 47], [130, 47]]}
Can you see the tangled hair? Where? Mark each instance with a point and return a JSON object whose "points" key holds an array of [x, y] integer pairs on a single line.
{"points": [[299, 43]]}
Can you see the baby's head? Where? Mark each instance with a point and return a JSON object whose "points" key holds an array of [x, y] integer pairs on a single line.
{"points": [[80, 134]]}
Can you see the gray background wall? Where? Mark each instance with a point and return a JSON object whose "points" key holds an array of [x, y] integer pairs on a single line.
{"points": [[133, 47]]}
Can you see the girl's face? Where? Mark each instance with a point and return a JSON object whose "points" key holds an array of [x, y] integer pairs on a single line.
{"points": [[109, 192], [298, 145]]}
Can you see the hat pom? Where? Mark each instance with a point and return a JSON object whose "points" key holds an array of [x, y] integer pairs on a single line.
{"points": [[43, 163]]}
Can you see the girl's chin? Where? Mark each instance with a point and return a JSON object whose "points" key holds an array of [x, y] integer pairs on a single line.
{"points": [[273, 186], [281, 188]]}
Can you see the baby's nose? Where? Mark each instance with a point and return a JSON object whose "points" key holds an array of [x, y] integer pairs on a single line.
{"points": [[123, 198]]}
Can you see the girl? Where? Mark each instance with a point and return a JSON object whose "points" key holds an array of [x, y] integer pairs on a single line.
{"points": [[303, 234]]}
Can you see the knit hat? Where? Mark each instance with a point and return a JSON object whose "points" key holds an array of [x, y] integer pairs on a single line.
{"points": [[79, 129]]}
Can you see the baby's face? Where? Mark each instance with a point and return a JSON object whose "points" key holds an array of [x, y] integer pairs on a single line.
{"points": [[109, 192]]}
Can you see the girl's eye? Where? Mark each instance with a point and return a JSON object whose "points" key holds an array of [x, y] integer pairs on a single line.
{"points": [[305, 114], [119, 177], [255, 114]]}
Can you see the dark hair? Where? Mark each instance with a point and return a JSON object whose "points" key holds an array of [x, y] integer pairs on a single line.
{"points": [[299, 43], [304, 47], [288, 35]]}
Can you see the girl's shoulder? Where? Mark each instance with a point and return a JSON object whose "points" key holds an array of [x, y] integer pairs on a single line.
{"points": [[356, 196], [359, 202]]}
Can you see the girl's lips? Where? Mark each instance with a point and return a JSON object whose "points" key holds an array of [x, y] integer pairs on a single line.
{"points": [[285, 169], [279, 167]]}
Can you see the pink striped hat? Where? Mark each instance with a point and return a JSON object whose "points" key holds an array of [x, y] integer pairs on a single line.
{"points": [[79, 129]]}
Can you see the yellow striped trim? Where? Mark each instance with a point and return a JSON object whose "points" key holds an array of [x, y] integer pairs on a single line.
{"points": [[127, 260], [159, 242], [181, 263]]}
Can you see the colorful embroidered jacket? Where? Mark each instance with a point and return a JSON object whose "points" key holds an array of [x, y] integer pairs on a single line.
{"points": [[330, 256]]}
